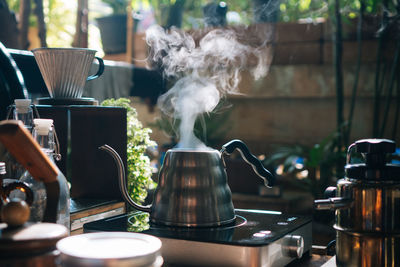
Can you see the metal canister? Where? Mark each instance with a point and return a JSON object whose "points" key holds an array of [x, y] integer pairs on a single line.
{"points": [[367, 204]]}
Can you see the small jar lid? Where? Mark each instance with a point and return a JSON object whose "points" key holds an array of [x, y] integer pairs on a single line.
{"points": [[22, 105], [43, 126], [22, 102], [121, 248]]}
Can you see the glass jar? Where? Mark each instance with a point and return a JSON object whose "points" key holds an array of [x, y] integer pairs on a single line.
{"points": [[44, 134]]}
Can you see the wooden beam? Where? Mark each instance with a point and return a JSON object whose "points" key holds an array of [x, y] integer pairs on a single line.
{"points": [[23, 25], [82, 24], [129, 36], [41, 24]]}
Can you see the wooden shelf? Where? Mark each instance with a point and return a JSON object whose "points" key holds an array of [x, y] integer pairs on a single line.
{"points": [[89, 210]]}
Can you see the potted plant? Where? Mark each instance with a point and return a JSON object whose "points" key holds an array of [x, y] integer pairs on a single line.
{"points": [[311, 169], [139, 170], [113, 27]]}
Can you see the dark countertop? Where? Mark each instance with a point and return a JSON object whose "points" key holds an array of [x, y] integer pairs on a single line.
{"points": [[313, 261]]}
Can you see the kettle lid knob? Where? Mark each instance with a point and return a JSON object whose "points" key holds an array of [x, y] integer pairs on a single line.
{"points": [[381, 146], [374, 152]]}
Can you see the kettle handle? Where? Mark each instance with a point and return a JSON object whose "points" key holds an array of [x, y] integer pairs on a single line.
{"points": [[257, 166], [122, 179]]}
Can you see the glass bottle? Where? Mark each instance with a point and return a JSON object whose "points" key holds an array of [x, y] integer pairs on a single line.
{"points": [[44, 134], [22, 111]]}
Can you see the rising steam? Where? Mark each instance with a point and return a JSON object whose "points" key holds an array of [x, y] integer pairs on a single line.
{"points": [[205, 71]]}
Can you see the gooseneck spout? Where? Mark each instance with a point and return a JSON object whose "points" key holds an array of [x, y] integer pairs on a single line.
{"points": [[122, 179]]}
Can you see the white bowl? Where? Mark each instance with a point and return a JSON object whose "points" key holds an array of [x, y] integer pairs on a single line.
{"points": [[110, 249]]}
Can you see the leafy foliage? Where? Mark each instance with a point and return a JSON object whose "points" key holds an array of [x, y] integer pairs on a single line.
{"points": [[290, 10], [315, 168], [138, 140], [59, 19]]}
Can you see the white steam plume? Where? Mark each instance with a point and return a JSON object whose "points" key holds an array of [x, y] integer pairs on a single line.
{"points": [[206, 72]]}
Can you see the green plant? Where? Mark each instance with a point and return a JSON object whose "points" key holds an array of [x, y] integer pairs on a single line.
{"points": [[314, 168], [385, 74], [323, 163], [138, 140], [14, 5], [59, 18], [290, 10], [118, 6], [386, 78]]}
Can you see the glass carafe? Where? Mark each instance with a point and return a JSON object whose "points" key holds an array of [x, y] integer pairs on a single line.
{"points": [[44, 134]]}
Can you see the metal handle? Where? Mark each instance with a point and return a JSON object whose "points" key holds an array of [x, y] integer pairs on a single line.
{"points": [[257, 166], [332, 203], [99, 71]]}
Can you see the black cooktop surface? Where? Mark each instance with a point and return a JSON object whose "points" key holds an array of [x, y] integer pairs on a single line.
{"points": [[251, 227]]}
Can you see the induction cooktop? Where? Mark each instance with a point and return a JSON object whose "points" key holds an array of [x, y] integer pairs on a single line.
{"points": [[255, 238]]}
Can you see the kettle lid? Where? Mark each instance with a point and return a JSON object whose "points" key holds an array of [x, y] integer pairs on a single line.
{"points": [[375, 167]]}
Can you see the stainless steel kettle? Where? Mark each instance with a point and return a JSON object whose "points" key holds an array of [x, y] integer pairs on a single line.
{"points": [[192, 189], [367, 204]]}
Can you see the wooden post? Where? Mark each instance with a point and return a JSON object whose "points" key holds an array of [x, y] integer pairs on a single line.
{"points": [[82, 24], [41, 24], [23, 25], [9, 33], [129, 36]]}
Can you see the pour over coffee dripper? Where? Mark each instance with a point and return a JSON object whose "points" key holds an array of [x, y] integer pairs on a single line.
{"points": [[65, 72]]}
